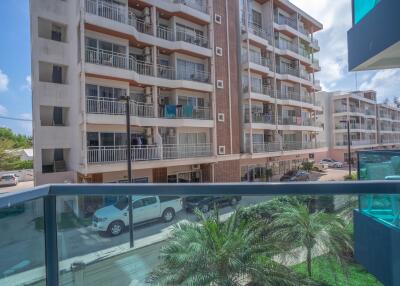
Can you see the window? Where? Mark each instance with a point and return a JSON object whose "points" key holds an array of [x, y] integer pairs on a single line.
{"points": [[218, 51], [191, 71], [138, 204], [58, 116], [221, 117], [58, 155], [57, 74], [218, 19], [149, 201], [220, 84], [56, 33], [107, 139], [91, 90], [256, 18], [92, 139], [192, 138], [221, 150]]}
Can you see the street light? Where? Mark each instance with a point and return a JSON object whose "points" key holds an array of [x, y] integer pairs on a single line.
{"points": [[348, 144], [126, 99]]}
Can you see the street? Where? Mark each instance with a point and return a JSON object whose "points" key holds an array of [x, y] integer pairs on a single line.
{"points": [[21, 186]]}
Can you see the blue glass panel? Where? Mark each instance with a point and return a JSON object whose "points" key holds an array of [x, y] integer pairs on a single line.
{"points": [[362, 8], [380, 166]]}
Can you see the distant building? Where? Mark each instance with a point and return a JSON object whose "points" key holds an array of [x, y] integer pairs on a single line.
{"points": [[26, 154]]}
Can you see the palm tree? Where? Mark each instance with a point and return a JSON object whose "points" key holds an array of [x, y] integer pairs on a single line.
{"points": [[317, 232], [219, 254]]}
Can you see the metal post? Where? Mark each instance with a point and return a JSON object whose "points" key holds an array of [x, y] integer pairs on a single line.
{"points": [[50, 240], [348, 146], [128, 152]]}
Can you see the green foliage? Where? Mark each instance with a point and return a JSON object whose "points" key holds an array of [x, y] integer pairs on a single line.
{"points": [[354, 276], [220, 253], [352, 177], [19, 141], [307, 166], [295, 224], [9, 142]]}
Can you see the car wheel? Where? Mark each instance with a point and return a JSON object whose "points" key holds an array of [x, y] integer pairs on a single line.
{"points": [[168, 215], [234, 202], [205, 209], [115, 228]]}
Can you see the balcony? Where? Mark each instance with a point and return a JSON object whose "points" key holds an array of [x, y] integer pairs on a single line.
{"points": [[199, 5], [357, 142], [258, 31], [60, 241], [96, 105], [286, 45], [185, 112], [283, 20], [117, 60], [115, 154], [289, 70], [171, 73], [267, 147]]}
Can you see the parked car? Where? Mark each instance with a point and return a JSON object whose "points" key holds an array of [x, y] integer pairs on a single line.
{"points": [[295, 176], [331, 163], [9, 179], [114, 218], [204, 204]]}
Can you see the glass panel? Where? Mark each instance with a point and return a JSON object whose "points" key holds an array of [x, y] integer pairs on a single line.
{"points": [[22, 244], [380, 166], [362, 8]]}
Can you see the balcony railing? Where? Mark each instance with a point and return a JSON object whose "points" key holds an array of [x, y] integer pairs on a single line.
{"points": [[49, 232], [96, 105], [170, 72], [258, 31], [286, 45], [356, 142], [200, 5], [287, 69], [289, 95], [266, 147], [282, 20], [114, 154], [185, 112], [140, 24], [259, 60], [109, 10], [262, 118], [118, 60], [195, 39]]}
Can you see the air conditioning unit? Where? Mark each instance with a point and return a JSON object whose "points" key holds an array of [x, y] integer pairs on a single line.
{"points": [[196, 167]]}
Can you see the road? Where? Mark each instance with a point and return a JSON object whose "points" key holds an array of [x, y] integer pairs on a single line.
{"points": [[21, 186]]}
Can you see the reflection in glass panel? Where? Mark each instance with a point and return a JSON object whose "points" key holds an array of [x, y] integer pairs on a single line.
{"points": [[381, 165], [22, 244]]}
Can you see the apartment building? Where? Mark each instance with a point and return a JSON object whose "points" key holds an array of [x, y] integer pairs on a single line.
{"points": [[388, 125], [218, 89], [279, 62], [372, 125]]}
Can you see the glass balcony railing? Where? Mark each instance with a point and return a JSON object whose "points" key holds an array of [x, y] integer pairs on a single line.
{"points": [[89, 235]]}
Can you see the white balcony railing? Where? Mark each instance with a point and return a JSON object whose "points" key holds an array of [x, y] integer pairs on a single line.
{"points": [[114, 154], [266, 147], [140, 24], [96, 105], [109, 10], [184, 112], [191, 38], [200, 5], [118, 60], [169, 72]]}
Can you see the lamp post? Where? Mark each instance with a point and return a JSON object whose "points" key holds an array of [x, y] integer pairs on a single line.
{"points": [[126, 99], [348, 144]]}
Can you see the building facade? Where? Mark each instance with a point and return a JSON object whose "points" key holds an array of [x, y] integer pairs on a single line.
{"points": [[372, 125], [217, 90]]}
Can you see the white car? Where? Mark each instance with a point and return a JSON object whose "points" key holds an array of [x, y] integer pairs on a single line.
{"points": [[331, 163], [8, 179], [114, 218]]}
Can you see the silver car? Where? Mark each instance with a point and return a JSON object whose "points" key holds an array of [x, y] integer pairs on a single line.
{"points": [[8, 180]]}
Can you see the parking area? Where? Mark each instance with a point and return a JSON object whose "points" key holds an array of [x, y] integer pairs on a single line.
{"points": [[20, 187]]}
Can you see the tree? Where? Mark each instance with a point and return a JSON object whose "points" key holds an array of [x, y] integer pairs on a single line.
{"points": [[19, 141], [220, 253], [8, 159], [307, 166], [318, 232]]}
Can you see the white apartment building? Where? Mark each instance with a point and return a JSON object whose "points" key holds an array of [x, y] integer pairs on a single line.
{"points": [[372, 125], [217, 87]]}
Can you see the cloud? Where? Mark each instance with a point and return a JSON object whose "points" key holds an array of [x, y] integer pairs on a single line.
{"points": [[28, 83], [3, 110], [385, 83], [3, 81]]}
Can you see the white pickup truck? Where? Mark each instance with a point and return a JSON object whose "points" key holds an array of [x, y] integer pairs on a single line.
{"points": [[115, 218]]}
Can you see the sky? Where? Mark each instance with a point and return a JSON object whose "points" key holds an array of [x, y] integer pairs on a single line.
{"points": [[15, 63]]}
